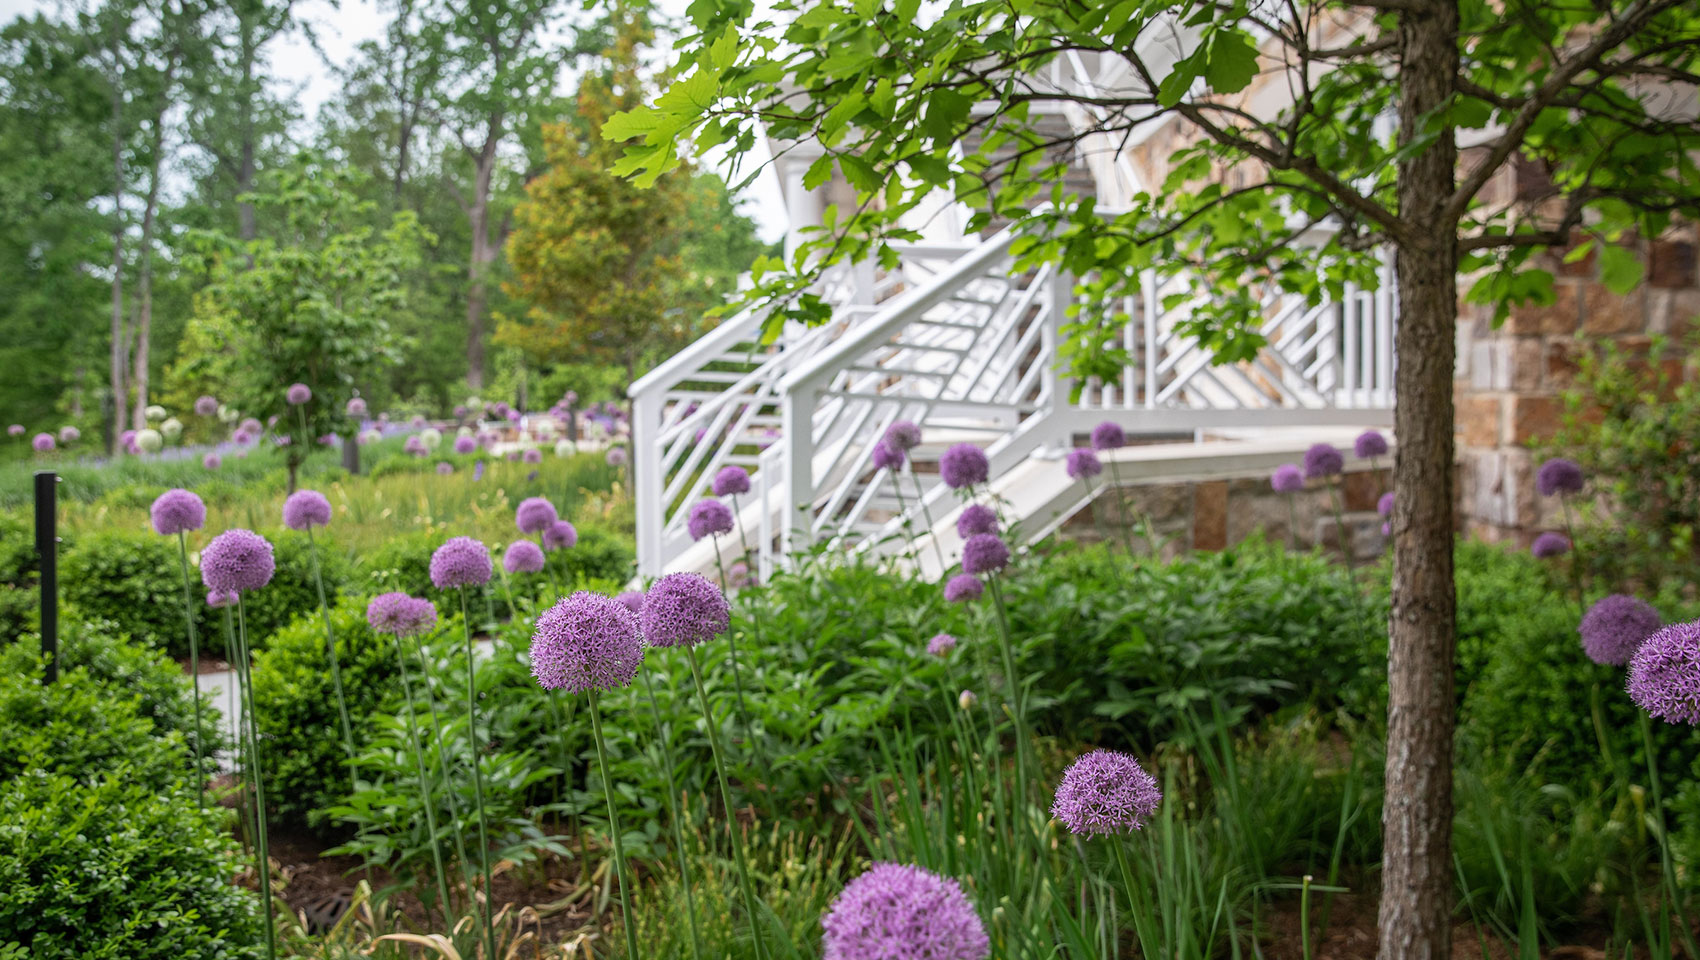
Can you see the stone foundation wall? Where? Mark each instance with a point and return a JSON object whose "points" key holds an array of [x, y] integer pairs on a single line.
{"points": [[1215, 514]]}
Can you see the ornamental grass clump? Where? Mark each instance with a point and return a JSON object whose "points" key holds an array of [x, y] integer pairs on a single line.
{"points": [[1615, 627], [684, 610], [235, 562], [176, 513], [303, 510], [899, 911], [459, 563]]}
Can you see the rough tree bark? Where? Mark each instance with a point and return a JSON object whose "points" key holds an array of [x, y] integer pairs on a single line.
{"points": [[1416, 896], [144, 273]]}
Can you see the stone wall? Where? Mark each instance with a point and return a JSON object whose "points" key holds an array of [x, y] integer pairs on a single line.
{"points": [[1214, 514]]}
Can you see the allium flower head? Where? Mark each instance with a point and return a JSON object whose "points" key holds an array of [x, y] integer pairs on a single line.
{"points": [[984, 553], [69, 434], [1105, 792], [1108, 436], [941, 645], [586, 642], [1287, 478], [684, 609], [431, 437], [15, 430], [1384, 506], [964, 465], [887, 456], [465, 444], [212, 461], [1370, 443], [1559, 475], [221, 598], [306, 509], [522, 556], [615, 457], [731, 481], [1550, 544], [902, 912], [1664, 674], [633, 600], [237, 560], [400, 614], [460, 562], [251, 425], [709, 517], [534, 515], [962, 588], [43, 442], [1615, 626], [976, 518], [356, 407], [532, 455], [905, 435], [1083, 463], [297, 394], [149, 440], [154, 411], [415, 446], [1323, 460], [560, 535], [444, 468], [177, 511], [206, 406]]}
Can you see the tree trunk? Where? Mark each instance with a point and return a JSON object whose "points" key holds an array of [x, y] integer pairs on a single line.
{"points": [[119, 339], [1416, 878], [483, 251], [246, 225], [144, 277]]}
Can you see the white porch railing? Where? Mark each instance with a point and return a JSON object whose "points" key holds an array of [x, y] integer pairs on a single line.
{"points": [[957, 343]]}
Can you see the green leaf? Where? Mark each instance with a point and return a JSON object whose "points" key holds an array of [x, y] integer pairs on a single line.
{"points": [[859, 172], [818, 173], [1232, 61], [1620, 269]]}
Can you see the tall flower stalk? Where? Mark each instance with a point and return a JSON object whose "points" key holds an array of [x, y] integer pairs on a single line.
{"points": [[1288, 480], [304, 510], [1324, 462], [1108, 436], [711, 518], [177, 512], [1107, 794]]}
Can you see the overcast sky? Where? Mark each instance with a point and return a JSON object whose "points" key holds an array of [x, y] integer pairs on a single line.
{"points": [[342, 28]]}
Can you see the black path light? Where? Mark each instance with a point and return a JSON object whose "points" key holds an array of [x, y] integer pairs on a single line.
{"points": [[47, 554]]}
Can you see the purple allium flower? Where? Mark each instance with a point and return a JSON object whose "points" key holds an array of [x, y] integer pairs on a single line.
{"points": [[465, 444], [460, 562], [1387, 529], [461, 411], [532, 455], [1105, 792], [237, 560], [177, 511], [560, 535], [444, 468], [899, 912], [963, 465], [252, 426], [417, 421], [400, 614], [1083, 463], [1664, 674], [1550, 544], [356, 407], [962, 588], [976, 518], [633, 600], [684, 609], [534, 515], [212, 461], [586, 642], [221, 598], [297, 394], [414, 445], [15, 430], [887, 456], [731, 481], [241, 437], [1615, 626], [1108, 436], [1287, 478], [43, 442], [1559, 475], [69, 434], [941, 645], [1323, 460], [709, 517], [738, 575], [523, 556], [1370, 443], [1384, 506], [984, 553], [615, 457], [905, 435], [769, 437], [206, 406], [306, 509]]}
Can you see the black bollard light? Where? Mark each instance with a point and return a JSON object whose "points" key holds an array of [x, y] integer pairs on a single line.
{"points": [[47, 553]]}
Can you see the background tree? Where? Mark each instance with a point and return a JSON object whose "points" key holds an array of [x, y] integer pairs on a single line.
{"points": [[610, 273], [1597, 96], [312, 306]]}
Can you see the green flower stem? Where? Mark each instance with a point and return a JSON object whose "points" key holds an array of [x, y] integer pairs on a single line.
{"points": [[1340, 523], [194, 664], [927, 514], [666, 735], [1097, 517], [1670, 884], [443, 760], [258, 768], [425, 797], [330, 649], [1292, 523], [743, 866], [732, 651], [1136, 903], [620, 868], [478, 775], [908, 524], [1121, 510], [1017, 697], [244, 753]]}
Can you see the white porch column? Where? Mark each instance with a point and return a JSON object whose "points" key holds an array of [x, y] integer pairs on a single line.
{"points": [[799, 440], [646, 482]]}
